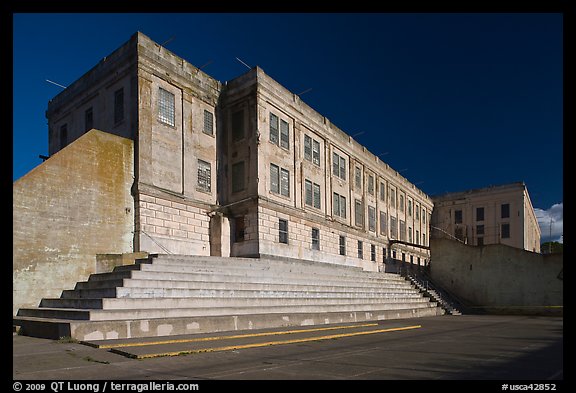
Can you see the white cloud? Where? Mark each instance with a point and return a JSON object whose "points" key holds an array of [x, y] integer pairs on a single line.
{"points": [[551, 219]]}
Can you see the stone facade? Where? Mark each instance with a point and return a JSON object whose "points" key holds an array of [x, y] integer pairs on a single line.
{"points": [[242, 168], [491, 215]]}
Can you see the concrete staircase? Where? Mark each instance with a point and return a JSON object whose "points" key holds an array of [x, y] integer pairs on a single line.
{"points": [[175, 294]]}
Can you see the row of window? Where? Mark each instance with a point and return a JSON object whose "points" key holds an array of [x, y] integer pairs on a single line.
{"points": [[504, 213], [504, 232], [315, 242]]}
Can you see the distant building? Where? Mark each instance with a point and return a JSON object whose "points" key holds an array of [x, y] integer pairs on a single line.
{"points": [[492, 215], [242, 168]]}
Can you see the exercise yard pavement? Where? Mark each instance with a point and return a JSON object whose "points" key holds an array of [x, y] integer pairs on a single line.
{"points": [[445, 347]]}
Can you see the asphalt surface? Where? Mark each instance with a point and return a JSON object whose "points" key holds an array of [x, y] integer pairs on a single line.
{"points": [[467, 347]]}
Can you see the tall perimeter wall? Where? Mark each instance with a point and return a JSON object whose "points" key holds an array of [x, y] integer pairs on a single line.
{"points": [[68, 209], [497, 276]]}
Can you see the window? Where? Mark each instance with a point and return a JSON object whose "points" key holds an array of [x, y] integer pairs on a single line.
{"points": [[316, 152], [338, 166], [204, 176], [284, 135], [459, 233], [417, 237], [417, 211], [166, 107], [479, 214], [63, 135], [458, 217], [373, 252], [382, 223], [284, 182], [409, 234], [382, 191], [393, 228], [393, 198], [401, 203], [371, 185], [238, 125], [394, 254], [423, 239], [342, 245], [315, 239], [274, 178], [480, 241], [402, 230], [239, 228], [383, 254], [505, 231], [279, 180], [479, 229], [505, 210], [274, 133], [371, 219], [307, 148], [118, 106], [88, 119], [423, 216], [339, 205], [358, 178], [208, 123], [358, 213], [283, 231], [409, 207], [360, 249], [312, 194], [238, 176]]}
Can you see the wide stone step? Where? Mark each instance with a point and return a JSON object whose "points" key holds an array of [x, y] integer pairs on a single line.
{"points": [[210, 302], [152, 313], [228, 291], [161, 327]]}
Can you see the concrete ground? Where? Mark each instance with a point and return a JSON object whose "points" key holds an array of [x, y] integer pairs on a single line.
{"points": [[441, 348]]}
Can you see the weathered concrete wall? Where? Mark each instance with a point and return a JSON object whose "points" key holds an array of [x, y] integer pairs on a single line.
{"points": [[68, 209], [497, 275]]}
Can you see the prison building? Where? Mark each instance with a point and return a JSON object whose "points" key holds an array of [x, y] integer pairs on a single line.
{"points": [[500, 214], [241, 168]]}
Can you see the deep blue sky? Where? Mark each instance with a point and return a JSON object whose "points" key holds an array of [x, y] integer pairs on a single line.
{"points": [[456, 101]]}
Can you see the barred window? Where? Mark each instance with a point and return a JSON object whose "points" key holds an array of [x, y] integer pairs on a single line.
{"points": [[505, 231], [274, 178], [358, 213], [342, 245], [479, 229], [458, 217], [382, 191], [393, 228], [238, 125], [238, 176], [316, 193], [166, 107], [402, 230], [371, 219], [358, 178], [339, 205], [208, 122], [417, 211], [274, 128], [479, 214], [118, 105], [371, 185], [423, 216], [284, 182], [505, 210], [283, 231], [339, 166], [284, 135], [360, 249], [417, 237], [401, 202], [410, 234], [204, 176], [316, 152], [383, 223], [409, 207], [307, 148], [393, 198], [373, 252], [308, 192], [315, 239]]}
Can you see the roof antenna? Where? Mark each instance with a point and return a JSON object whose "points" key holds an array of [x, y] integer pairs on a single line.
{"points": [[244, 63], [57, 84], [304, 92], [198, 70], [167, 41]]}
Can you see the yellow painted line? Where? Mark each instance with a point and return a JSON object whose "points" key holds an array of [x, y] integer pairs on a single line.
{"points": [[264, 344], [214, 338]]}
